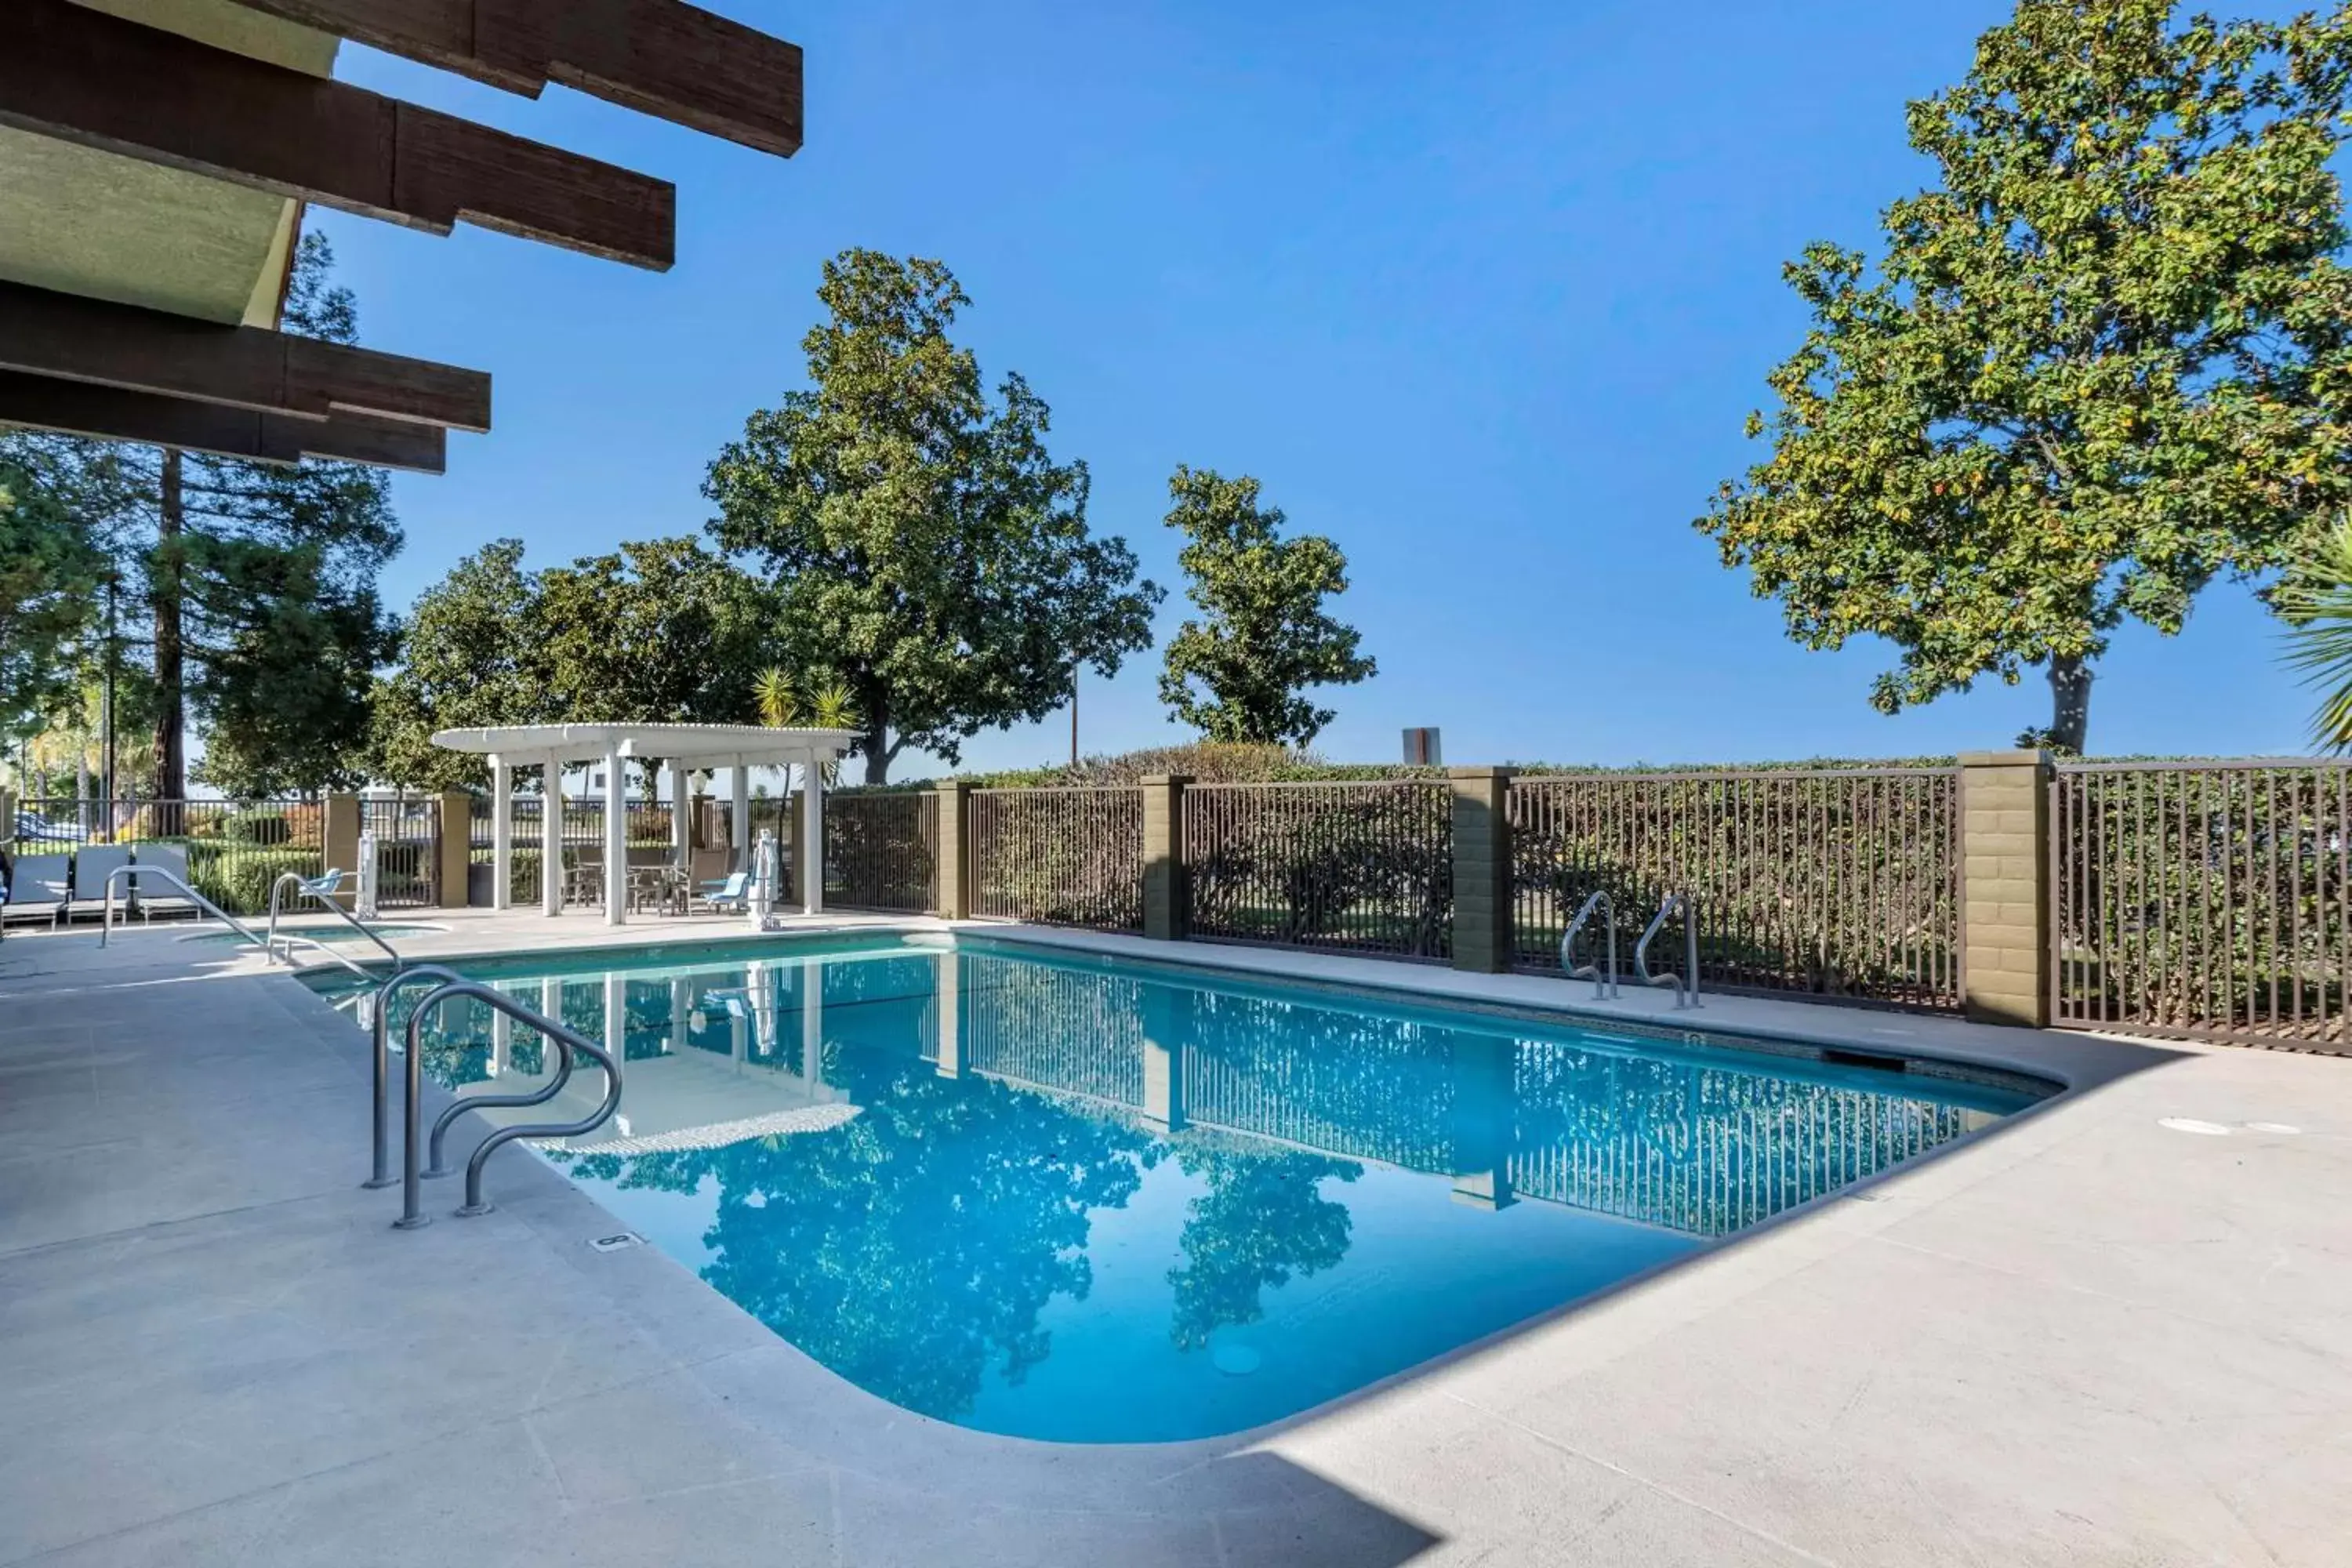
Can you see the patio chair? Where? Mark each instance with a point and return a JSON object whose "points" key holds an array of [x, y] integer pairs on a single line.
{"points": [[39, 889], [583, 876], [729, 896], [154, 896], [92, 864]]}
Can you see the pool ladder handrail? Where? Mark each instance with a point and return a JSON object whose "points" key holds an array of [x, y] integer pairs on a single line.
{"points": [[1687, 984], [321, 890], [381, 1023], [106, 918], [567, 1041], [1600, 991]]}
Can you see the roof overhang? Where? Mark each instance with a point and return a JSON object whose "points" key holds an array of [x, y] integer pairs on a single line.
{"points": [[693, 745]]}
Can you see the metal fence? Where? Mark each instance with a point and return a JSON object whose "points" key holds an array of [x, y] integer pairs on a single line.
{"points": [[407, 850], [235, 849], [1363, 867], [881, 850], [1836, 882], [1059, 857], [2203, 900]]}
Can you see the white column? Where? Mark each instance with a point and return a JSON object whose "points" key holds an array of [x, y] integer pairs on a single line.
{"points": [[550, 836], [616, 838], [812, 855], [501, 836], [739, 831], [679, 840]]}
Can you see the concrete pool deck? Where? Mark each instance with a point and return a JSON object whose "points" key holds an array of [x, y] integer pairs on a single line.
{"points": [[2083, 1338]]}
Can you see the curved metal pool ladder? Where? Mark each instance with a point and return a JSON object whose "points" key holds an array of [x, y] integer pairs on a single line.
{"points": [[382, 1027], [567, 1041], [1686, 984], [1575, 971], [106, 918]]}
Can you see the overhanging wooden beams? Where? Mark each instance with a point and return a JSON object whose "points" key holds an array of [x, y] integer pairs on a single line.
{"points": [[77, 408], [657, 57], [74, 73], [65, 335]]}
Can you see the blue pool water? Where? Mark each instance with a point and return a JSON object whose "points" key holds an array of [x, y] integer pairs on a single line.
{"points": [[1072, 1199]]}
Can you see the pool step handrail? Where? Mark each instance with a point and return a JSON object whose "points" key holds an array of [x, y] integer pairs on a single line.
{"points": [[567, 1041], [382, 1025], [321, 890], [106, 920], [1686, 984], [1601, 990], [434, 1169]]}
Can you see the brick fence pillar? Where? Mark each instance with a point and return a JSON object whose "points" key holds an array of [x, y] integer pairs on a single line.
{"points": [[456, 846], [1482, 869], [1167, 904], [341, 843], [2005, 887], [952, 881]]}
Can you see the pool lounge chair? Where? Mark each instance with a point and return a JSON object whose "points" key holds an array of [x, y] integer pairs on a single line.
{"points": [[39, 889], [155, 896], [729, 896], [92, 864]]}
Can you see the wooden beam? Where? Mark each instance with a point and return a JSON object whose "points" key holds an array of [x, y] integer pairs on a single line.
{"points": [[71, 72], [79, 408], [658, 57], [138, 350]]}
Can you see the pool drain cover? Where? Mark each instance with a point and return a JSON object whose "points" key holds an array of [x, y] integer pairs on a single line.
{"points": [[618, 1241]]}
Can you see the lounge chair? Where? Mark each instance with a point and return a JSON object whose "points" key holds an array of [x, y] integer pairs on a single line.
{"points": [[92, 864], [729, 896], [155, 896], [39, 889]]}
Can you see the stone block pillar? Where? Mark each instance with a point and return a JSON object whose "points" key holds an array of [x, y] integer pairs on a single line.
{"points": [[952, 876], [342, 842], [1482, 869], [456, 847], [2005, 885], [1167, 901]]}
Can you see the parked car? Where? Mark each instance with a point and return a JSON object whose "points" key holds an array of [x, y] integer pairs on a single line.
{"points": [[32, 827]]}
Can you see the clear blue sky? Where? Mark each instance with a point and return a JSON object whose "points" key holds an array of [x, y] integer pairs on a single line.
{"points": [[1484, 293]]}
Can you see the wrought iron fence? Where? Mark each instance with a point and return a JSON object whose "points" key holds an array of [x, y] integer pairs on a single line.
{"points": [[1364, 867], [1834, 882], [407, 850], [235, 849], [2203, 900], [1059, 857], [881, 849]]}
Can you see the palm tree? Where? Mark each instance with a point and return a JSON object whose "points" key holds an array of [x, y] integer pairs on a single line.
{"points": [[2316, 600], [826, 707]]}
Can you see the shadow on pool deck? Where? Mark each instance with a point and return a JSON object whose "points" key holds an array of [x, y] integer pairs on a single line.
{"points": [[2083, 1338]]}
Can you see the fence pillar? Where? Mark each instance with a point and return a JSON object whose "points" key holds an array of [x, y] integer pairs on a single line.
{"points": [[342, 840], [457, 845], [1482, 869], [951, 879], [1167, 905], [2005, 887]]}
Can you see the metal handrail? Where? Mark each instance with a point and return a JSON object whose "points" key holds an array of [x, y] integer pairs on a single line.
{"points": [[566, 1040], [313, 891], [1686, 984], [1591, 971], [434, 1169], [106, 920], [382, 1027]]}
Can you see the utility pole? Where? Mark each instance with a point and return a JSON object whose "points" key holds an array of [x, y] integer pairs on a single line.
{"points": [[1074, 715]]}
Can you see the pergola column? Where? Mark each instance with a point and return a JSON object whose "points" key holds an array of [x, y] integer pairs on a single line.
{"points": [[739, 831], [679, 842], [616, 836], [812, 855], [550, 835], [501, 836]]}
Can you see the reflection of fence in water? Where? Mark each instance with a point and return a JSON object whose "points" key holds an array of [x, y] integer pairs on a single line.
{"points": [[1704, 1150], [1057, 1029], [1339, 1082]]}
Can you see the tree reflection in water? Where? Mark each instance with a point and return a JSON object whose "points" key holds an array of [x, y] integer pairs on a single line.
{"points": [[911, 1249], [1262, 1219]]}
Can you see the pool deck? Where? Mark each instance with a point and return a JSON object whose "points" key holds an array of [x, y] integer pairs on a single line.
{"points": [[2083, 1338]]}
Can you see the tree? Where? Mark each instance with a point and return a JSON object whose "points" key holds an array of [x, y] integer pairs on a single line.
{"points": [[259, 580], [2102, 362], [50, 569], [927, 551], [1267, 637], [467, 660], [2316, 600]]}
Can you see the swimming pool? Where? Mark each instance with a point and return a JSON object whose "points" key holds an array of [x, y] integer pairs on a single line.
{"points": [[1080, 1199]]}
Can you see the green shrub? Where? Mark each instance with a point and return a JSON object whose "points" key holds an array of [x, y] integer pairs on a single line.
{"points": [[267, 829], [237, 877]]}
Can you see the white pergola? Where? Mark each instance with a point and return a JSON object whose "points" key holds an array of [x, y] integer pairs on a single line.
{"points": [[685, 748]]}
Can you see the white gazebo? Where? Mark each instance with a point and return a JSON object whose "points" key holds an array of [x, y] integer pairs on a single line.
{"points": [[684, 747]]}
